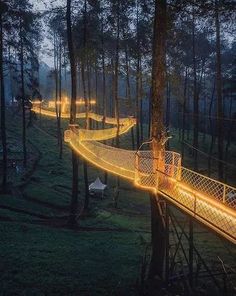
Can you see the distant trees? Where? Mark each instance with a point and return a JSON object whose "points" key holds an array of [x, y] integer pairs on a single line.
{"points": [[192, 76], [18, 51], [158, 132], [57, 27], [85, 63], [114, 49], [3, 10], [22, 54], [74, 195]]}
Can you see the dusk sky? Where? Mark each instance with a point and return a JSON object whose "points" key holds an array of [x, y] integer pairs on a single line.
{"points": [[117, 147], [43, 5]]}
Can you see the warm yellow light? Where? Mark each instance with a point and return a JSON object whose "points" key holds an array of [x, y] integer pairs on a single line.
{"points": [[51, 104], [82, 102], [174, 190], [177, 184], [65, 103], [36, 102], [211, 201]]}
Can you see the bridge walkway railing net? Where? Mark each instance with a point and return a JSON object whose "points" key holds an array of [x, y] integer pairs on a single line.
{"points": [[209, 201], [100, 118], [115, 160]]}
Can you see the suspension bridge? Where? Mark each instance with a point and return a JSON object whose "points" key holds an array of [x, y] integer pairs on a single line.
{"points": [[209, 201]]}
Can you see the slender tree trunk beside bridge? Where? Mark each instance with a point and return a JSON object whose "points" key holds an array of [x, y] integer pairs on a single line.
{"points": [[74, 196], [3, 119], [157, 130], [116, 90], [220, 113], [22, 75], [195, 96], [87, 97]]}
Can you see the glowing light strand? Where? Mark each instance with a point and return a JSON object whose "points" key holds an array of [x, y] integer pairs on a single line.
{"points": [[209, 201], [201, 197]]}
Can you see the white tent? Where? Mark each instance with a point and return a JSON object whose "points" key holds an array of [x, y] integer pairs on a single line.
{"points": [[97, 186]]}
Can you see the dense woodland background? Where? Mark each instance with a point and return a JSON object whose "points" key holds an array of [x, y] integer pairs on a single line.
{"points": [[104, 49], [200, 87]]}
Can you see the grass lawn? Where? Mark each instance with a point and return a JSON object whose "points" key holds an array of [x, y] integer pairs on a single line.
{"points": [[39, 256]]}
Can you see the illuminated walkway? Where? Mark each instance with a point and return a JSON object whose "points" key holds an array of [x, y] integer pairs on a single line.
{"points": [[211, 202]]}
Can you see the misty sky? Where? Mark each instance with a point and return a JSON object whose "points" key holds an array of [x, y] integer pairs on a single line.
{"points": [[43, 5]]}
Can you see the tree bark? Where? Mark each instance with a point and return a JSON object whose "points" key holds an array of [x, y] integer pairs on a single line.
{"points": [[211, 130], [167, 122], [117, 107], [60, 102], [104, 98], [184, 112], [74, 196], [195, 97], [87, 103], [23, 97], [220, 113], [137, 99], [229, 134], [3, 115], [128, 92], [141, 104], [157, 131]]}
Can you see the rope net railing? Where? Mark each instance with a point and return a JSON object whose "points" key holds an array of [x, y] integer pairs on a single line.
{"points": [[105, 134], [211, 202], [82, 115], [114, 160], [213, 213]]}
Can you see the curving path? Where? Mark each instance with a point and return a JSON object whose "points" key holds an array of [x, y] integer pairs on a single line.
{"points": [[211, 202]]}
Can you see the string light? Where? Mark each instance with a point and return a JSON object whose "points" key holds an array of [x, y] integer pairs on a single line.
{"points": [[201, 197], [65, 103]]}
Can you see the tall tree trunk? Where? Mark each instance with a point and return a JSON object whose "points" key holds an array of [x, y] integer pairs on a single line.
{"points": [[138, 66], [204, 111], [23, 97], [56, 74], [141, 103], [195, 97], [128, 91], [104, 98], [211, 130], [184, 112], [116, 88], [3, 115], [167, 107], [86, 200], [168, 103], [137, 106], [74, 196], [87, 103], [60, 102], [11, 75], [157, 130], [220, 113], [96, 87], [112, 94], [229, 134], [230, 127]]}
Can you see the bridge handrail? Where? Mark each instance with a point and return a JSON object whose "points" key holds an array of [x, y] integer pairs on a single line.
{"points": [[221, 190]]}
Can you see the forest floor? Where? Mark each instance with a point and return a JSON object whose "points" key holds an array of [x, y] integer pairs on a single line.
{"points": [[39, 255]]}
